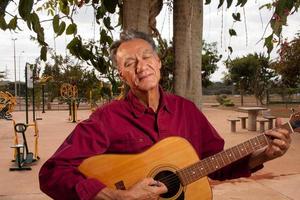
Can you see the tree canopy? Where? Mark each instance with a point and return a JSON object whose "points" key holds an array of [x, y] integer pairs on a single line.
{"points": [[288, 63]]}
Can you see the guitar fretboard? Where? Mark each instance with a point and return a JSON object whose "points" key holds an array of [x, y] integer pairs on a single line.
{"points": [[213, 163]]}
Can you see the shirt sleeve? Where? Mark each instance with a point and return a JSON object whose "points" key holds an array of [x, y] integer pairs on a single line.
{"points": [[212, 143], [59, 177]]}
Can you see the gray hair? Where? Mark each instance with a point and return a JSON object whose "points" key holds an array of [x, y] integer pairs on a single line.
{"points": [[126, 36]]}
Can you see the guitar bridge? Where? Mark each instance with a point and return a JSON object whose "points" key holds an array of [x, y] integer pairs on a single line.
{"points": [[120, 185]]}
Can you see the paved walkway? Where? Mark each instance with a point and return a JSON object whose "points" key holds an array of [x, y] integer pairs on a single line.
{"points": [[278, 180]]}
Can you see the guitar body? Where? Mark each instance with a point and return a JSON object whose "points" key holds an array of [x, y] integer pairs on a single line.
{"points": [[120, 171]]}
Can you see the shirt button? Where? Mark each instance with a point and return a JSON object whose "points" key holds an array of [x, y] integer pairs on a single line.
{"points": [[141, 140]]}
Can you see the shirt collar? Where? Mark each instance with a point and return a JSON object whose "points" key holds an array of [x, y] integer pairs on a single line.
{"points": [[138, 109]]}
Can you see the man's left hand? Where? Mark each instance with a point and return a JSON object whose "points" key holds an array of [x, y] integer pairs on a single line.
{"points": [[280, 141]]}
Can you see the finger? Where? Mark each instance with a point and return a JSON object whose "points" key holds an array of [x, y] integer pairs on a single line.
{"points": [[276, 151], [160, 188], [278, 122], [278, 134], [281, 144]]}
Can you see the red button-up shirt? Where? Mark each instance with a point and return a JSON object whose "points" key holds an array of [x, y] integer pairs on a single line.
{"points": [[126, 126]]}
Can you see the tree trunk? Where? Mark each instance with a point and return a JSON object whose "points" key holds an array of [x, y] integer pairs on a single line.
{"points": [[188, 24], [136, 15]]}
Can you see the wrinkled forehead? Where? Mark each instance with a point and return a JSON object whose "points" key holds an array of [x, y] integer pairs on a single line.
{"points": [[132, 48]]}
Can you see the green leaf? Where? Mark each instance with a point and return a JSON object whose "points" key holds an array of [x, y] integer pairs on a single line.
{"points": [[43, 53], [3, 5], [72, 29], [101, 11], [55, 23], [25, 7], [232, 32], [64, 7], [207, 2], [269, 43], [62, 28], [13, 23], [74, 46], [229, 2], [3, 24], [236, 16], [35, 21], [241, 3], [220, 3], [276, 25], [110, 5], [106, 22], [230, 49]]}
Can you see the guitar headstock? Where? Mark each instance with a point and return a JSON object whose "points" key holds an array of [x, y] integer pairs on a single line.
{"points": [[295, 121]]}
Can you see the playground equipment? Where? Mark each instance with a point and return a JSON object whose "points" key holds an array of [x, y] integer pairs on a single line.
{"points": [[7, 105], [22, 156], [70, 94]]}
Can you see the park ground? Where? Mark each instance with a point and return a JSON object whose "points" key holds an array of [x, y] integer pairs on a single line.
{"points": [[278, 180]]}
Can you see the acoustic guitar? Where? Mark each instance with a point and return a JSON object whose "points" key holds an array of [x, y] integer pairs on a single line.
{"points": [[174, 162]]}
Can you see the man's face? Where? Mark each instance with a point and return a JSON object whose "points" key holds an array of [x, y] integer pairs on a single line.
{"points": [[139, 65]]}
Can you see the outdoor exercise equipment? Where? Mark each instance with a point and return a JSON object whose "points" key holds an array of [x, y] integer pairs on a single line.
{"points": [[22, 156], [43, 81], [7, 105], [70, 94]]}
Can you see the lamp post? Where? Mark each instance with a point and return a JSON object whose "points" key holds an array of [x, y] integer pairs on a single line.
{"points": [[19, 80], [15, 71]]}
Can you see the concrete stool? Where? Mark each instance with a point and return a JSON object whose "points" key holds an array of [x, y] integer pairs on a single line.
{"points": [[243, 121], [233, 122], [270, 118], [262, 124]]}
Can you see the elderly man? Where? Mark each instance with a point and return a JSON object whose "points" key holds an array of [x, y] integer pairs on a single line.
{"points": [[131, 125]]}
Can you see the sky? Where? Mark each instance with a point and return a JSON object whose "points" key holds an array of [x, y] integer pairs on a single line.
{"points": [[215, 29]]}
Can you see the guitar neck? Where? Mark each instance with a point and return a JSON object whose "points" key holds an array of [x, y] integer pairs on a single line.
{"points": [[213, 163]]}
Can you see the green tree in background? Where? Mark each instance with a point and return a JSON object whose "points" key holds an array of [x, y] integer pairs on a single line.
{"points": [[288, 63], [210, 58], [251, 74]]}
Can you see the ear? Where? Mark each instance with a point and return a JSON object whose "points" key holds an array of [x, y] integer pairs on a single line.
{"points": [[158, 60]]}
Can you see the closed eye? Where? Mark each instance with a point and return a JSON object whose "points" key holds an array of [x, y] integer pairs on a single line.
{"points": [[130, 64]]}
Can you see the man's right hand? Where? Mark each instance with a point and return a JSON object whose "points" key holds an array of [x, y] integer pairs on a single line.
{"points": [[147, 189]]}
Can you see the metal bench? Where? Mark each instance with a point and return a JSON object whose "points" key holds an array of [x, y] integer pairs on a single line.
{"points": [[233, 122]]}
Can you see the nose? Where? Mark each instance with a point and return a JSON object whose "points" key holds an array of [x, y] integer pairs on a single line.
{"points": [[141, 64]]}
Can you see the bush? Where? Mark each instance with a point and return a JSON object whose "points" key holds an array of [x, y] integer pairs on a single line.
{"points": [[223, 100]]}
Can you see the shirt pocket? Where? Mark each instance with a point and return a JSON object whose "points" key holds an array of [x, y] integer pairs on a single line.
{"points": [[130, 142]]}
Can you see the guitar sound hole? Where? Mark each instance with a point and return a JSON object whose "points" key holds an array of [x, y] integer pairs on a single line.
{"points": [[172, 182]]}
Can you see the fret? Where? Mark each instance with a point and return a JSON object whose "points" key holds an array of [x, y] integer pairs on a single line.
{"points": [[200, 169], [219, 160], [214, 162], [206, 165], [209, 166], [260, 141], [242, 148], [231, 155], [193, 172], [248, 147], [253, 142], [238, 153], [183, 176], [227, 160]]}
